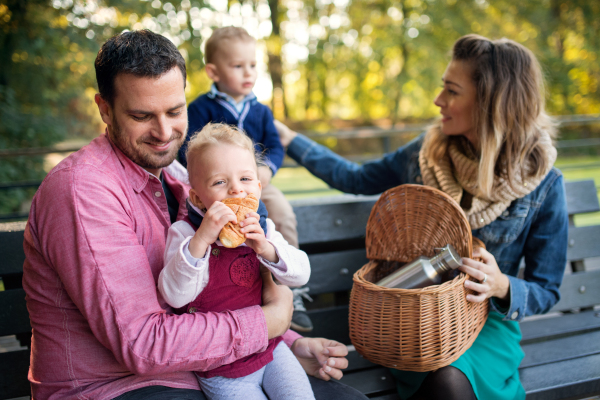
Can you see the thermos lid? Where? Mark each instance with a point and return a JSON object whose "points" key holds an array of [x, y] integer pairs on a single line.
{"points": [[450, 256]]}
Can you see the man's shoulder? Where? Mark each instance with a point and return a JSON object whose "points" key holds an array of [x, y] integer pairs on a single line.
{"points": [[93, 155]]}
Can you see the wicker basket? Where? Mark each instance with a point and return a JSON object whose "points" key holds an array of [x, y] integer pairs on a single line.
{"points": [[413, 329]]}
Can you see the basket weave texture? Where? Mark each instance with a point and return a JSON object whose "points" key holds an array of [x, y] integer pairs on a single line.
{"points": [[413, 329]]}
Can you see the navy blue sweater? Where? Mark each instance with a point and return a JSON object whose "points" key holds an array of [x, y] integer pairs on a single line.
{"points": [[256, 120]]}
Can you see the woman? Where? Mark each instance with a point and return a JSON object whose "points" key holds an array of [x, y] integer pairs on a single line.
{"points": [[492, 152]]}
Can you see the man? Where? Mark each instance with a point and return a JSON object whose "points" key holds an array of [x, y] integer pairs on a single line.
{"points": [[94, 247]]}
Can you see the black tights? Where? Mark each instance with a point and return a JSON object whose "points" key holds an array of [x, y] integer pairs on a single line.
{"points": [[446, 383]]}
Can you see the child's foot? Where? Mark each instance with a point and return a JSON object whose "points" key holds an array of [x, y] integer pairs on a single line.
{"points": [[300, 320]]}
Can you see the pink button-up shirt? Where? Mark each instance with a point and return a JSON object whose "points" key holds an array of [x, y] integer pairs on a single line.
{"points": [[94, 247]]}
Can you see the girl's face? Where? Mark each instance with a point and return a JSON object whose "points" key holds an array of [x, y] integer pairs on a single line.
{"points": [[457, 102], [224, 171]]}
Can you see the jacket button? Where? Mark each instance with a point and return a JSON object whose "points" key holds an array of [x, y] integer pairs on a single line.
{"points": [[418, 179], [514, 315], [215, 252], [157, 194], [192, 310]]}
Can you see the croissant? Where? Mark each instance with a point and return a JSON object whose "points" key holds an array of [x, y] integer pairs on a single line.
{"points": [[230, 235]]}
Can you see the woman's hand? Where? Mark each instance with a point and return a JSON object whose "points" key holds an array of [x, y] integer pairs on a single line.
{"points": [[286, 135], [321, 358], [492, 282], [256, 239]]}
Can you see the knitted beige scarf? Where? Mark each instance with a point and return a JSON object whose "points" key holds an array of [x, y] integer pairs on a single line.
{"points": [[458, 170]]}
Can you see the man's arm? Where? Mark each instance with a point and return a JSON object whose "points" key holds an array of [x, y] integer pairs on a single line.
{"points": [[89, 237]]}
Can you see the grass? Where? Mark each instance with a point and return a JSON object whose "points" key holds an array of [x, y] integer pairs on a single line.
{"points": [[300, 180]]}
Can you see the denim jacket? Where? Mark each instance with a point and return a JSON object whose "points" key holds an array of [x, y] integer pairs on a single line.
{"points": [[534, 227]]}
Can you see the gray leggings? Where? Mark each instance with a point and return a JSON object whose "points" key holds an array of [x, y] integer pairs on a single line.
{"points": [[281, 379]]}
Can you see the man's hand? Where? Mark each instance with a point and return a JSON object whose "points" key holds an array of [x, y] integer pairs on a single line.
{"points": [[264, 175], [277, 305], [286, 135], [321, 358]]}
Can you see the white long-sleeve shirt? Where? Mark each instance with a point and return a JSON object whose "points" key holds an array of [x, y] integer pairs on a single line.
{"points": [[184, 277]]}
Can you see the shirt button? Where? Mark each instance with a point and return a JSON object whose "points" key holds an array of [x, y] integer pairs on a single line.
{"points": [[481, 220], [157, 194], [216, 252], [514, 315], [505, 214], [192, 310]]}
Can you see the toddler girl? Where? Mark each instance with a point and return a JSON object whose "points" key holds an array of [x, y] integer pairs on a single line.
{"points": [[204, 276]]}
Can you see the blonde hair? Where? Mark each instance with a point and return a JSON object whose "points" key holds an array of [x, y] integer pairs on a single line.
{"points": [[213, 134], [509, 115], [214, 42]]}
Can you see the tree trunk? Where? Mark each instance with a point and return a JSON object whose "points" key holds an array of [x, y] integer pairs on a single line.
{"points": [[275, 64]]}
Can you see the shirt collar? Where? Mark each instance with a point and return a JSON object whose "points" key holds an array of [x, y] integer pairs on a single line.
{"points": [[216, 93]]}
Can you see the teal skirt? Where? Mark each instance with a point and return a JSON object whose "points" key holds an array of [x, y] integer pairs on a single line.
{"points": [[491, 364]]}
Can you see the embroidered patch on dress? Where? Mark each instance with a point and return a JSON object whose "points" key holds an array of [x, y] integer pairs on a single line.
{"points": [[245, 270]]}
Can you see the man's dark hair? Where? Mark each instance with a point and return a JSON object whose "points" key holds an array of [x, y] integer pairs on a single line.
{"points": [[140, 53]]}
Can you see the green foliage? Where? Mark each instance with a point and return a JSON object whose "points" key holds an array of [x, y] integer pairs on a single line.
{"points": [[341, 62]]}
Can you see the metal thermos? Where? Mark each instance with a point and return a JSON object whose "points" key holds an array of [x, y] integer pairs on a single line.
{"points": [[423, 271]]}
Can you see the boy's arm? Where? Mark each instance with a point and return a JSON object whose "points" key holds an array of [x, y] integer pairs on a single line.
{"points": [[184, 277], [293, 268], [274, 152]]}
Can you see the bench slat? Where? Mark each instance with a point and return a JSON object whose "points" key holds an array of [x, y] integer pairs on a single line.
{"points": [[565, 379], [372, 381], [14, 317], [11, 248], [582, 197], [579, 289], [14, 366], [561, 349], [332, 272], [332, 222], [356, 362], [331, 323], [559, 326], [583, 242]]}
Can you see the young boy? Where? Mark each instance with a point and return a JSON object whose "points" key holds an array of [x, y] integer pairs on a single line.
{"points": [[230, 56]]}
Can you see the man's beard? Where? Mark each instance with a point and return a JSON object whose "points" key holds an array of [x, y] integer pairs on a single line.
{"points": [[144, 157]]}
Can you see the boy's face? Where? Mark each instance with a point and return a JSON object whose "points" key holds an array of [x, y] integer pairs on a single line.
{"points": [[224, 171], [234, 68]]}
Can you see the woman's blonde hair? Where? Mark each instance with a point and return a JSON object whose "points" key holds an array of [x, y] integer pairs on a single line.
{"points": [[509, 115], [213, 134]]}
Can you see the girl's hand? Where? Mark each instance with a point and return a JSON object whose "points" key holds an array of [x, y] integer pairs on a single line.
{"points": [[256, 239], [214, 220], [492, 282]]}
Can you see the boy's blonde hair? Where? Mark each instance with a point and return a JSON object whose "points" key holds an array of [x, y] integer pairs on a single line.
{"points": [[214, 42], [213, 134]]}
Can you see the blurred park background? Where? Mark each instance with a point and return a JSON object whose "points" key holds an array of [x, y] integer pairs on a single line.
{"points": [[360, 76]]}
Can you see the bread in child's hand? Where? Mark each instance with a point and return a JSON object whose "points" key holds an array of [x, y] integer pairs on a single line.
{"points": [[230, 235]]}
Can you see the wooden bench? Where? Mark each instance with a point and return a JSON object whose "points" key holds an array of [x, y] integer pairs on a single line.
{"points": [[562, 350]]}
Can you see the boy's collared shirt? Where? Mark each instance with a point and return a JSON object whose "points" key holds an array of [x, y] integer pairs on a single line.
{"points": [[215, 93]]}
